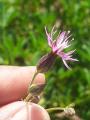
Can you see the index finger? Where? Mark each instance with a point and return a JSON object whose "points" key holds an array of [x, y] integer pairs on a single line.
{"points": [[14, 82]]}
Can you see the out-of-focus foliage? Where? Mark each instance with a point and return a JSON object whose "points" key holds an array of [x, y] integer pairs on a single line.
{"points": [[23, 42]]}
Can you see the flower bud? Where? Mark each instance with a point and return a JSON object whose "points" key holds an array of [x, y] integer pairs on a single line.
{"points": [[46, 62], [35, 99], [36, 89]]}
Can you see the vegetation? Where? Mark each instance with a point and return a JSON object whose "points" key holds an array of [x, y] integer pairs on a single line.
{"points": [[23, 42]]}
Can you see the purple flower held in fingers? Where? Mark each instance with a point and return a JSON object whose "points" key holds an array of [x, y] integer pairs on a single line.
{"points": [[57, 45]]}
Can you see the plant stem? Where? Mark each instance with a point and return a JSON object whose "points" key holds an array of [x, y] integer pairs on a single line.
{"points": [[55, 109], [35, 74], [29, 95]]}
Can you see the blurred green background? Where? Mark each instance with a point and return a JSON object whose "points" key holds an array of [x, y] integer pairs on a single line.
{"points": [[23, 42]]}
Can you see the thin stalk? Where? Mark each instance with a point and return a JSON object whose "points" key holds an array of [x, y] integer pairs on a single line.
{"points": [[29, 95], [35, 74], [55, 109]]}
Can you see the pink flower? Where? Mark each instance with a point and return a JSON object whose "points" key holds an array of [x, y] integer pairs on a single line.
{"points": [[59, 44]]}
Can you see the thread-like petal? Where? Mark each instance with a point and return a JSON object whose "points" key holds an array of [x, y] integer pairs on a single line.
{"points": [[71, 52], [48, 38], [73, 59], [66, 64], [60, 38]]}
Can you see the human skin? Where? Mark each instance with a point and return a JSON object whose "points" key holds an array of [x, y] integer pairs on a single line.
{"points": [[14, 83]]}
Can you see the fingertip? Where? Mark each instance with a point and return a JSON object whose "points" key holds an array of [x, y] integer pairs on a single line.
{"points": [[38, 112], [21, 110], [14, 82]]}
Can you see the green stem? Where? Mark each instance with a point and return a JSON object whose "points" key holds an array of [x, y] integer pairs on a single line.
{"points": [[55, 109], [35, 74], [29, 95]]}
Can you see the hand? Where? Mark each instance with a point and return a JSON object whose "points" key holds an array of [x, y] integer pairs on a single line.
{"points": [[13, 86]]}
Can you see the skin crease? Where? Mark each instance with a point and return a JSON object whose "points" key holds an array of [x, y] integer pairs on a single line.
{"points": [[13, 86]]}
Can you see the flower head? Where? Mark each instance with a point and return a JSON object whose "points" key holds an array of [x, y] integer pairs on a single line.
{"points": [[59, 44]]}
